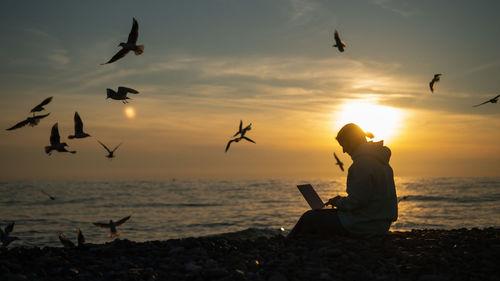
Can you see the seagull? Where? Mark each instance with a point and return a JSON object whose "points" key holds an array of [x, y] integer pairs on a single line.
{"points": [[130, 45], [55, 142], [341, 165], [437, 78], [65, 241], [5, 237], [121, 94], [50, 196], [40, 106], [32, 121], [339, 44], [237, 140], [112, 226], [242, 130], [110, 152], [79, 134], [81, 238], [493, 100]]}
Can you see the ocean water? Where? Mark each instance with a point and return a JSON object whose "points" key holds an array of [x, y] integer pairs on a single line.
{"points": [[162, 210]]}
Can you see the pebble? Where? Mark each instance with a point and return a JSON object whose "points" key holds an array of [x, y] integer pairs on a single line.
{"points": [[420, 255]]}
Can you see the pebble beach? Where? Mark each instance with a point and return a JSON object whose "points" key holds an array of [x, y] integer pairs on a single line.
{"points": [[423, 255]]}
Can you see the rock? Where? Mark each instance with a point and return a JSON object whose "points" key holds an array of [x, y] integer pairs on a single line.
{"points": [[191, 267], [277, 276]]}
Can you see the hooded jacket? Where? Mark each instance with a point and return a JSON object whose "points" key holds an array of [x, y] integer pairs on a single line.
{"points": [[371, 205]]}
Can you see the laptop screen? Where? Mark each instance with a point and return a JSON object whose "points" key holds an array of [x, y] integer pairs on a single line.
{"points": [[311, 196]]}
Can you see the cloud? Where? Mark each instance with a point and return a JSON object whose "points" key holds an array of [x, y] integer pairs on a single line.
{"points": [[400, 7], [59, 57]]}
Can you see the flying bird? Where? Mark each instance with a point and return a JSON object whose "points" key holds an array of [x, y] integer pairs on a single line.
{"points": [[121, 94], [112, 226], [5, 237], [236, 140], [50, 196], [493, 100], [40, 106], [339, 44], [32, 121], [55, 142], [242, 131], [79, 134], [110, 152], [341, 165], [437, 78], [130, 45], [65, 241]]}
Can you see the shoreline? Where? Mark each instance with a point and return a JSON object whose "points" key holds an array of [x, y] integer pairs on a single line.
{"points": [[425, 254]]}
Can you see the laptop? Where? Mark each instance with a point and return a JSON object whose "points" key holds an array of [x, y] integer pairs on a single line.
{"points": [[311, 196]]}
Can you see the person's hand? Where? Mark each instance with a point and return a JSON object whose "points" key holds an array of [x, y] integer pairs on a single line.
{"points": [[333, 200]]}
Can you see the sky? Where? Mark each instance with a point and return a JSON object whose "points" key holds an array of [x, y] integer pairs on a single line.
{"points": [[209, 64]]}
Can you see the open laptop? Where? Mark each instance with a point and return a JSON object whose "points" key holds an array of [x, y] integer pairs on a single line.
{"points": [[311, 196]]}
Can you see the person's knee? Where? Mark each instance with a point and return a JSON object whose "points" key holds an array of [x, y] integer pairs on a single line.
{"points": [[307, 215]]}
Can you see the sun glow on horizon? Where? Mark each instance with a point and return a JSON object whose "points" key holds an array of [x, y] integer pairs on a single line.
{"points": [[130, 112], [383, 121]]}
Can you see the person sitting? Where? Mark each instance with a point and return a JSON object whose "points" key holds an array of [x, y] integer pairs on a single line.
{"points": [[371, 202]]}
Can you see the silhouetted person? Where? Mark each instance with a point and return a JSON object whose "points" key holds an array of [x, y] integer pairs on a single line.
{"points": [[493, 100], [130, 45], [79, 134], [371, 203]]}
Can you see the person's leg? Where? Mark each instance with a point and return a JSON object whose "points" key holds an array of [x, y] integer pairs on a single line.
{"points": [[324, 222]]}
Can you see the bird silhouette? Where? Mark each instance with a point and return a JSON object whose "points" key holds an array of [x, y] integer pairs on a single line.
{"points": [[79, 134], [50, 196], [65, 241], [242, 131], [493, 100], [55, 142], [339, 44], [121, 94], [112, 226], [130, 45], [40, 106], [32, 121], [437, 78], [341, 165], [5, 237], [110, 152]]}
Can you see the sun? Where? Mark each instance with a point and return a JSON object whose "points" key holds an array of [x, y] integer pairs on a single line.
{"points": [[130, 112], [383, 121]]}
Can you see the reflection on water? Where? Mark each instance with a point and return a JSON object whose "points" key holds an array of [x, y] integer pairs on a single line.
{"points": [[182, 208]]}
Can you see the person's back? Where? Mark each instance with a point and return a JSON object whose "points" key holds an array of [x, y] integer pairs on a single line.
{"points": [[371, 204]]}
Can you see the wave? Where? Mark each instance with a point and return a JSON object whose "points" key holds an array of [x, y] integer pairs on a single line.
{"points": [[464, 199]]}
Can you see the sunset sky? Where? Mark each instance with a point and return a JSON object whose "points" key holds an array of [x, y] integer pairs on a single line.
{"points": [[209, 64]]}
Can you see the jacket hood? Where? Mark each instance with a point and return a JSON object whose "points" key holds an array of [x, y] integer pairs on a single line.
{"points": [[375, 149]]}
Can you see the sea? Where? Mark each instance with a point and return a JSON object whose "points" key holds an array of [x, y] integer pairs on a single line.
{"points": [[180, 208]]}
